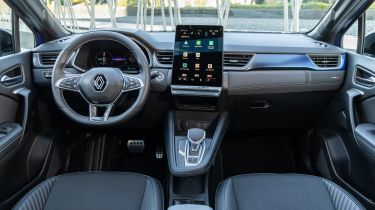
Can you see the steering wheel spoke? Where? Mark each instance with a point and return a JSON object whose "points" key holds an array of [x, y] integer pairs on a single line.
{"points": [[96, 115], [132, 82], [69, 82]]}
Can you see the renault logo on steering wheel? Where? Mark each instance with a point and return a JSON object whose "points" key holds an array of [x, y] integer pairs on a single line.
{"points": [[99, 82]]}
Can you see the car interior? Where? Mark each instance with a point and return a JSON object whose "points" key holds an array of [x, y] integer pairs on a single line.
{"points": [[198, 117]]}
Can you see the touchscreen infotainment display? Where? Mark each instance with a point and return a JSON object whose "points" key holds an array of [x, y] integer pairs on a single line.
{"points": [[198, 55]]}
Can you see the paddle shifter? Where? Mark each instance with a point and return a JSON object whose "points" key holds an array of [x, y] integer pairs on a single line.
{"points": [[192, 149]]}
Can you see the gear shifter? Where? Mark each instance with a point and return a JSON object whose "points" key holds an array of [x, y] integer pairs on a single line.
{"points": [[193, 148], [196, 136]]}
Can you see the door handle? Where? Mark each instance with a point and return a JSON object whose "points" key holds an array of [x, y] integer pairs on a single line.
{"points": [[364, 77], [8, 81], [12, 76]]}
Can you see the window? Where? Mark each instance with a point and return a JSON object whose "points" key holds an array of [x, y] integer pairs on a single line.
{"points": [[288, 16], [350, 39], [8, 44], [6, 38], [365, 32], [27, 40]]}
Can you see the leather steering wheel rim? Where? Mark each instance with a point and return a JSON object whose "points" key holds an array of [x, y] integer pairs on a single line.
{"points": [[63, 59]]}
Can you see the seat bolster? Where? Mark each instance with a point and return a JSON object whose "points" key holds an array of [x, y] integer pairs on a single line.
{"points": [[153, 195], [282, 192], [340, 198], [226, 196], [36, 198]]}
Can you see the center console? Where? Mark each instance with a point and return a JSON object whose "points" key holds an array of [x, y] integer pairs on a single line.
{"points": [[198, 122]]}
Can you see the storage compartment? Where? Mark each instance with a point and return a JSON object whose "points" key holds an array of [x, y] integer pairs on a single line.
{"points": [[184, 120], [279, 111]]}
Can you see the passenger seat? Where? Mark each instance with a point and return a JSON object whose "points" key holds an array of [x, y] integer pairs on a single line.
{"points": [[283, 192]]}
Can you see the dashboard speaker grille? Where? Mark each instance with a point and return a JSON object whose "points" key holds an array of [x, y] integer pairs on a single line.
{"points": [[235, 60], [326, 61], [165, 58], [48, 59]]}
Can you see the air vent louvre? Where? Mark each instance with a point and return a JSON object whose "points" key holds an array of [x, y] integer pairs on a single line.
{"points": [[165, 58], [48, 59], [236, 60], [326, 61]]}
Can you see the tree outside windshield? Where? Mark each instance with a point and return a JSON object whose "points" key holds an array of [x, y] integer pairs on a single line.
{"points": [[163, 15]]}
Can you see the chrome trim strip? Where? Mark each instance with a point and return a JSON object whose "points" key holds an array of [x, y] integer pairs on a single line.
{"points": [[196, 90]]}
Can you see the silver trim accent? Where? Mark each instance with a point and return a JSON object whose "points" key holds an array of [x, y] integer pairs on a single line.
{"points": [[186, 156], [196, 90], [244, 68], [339, 62], [93, 112]]}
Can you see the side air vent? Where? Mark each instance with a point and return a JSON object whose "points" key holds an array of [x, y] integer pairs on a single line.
{"points": [[48, 59], [326, 61], [237, 61], [165, 57]]}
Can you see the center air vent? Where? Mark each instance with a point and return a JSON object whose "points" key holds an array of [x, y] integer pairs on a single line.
{"points": [[48, 59], [326, 61], [165, 57], [237, 60]]}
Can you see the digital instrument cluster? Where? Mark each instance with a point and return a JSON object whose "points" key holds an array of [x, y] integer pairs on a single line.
{"points": [[106, 53], [122, 59]]}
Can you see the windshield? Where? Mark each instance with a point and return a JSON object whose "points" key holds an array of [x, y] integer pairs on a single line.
{"points": [[163, 15]]}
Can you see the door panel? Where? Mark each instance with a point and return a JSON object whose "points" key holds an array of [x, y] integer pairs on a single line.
{"points": [[348, 129], [15, 103], [8, 110]]}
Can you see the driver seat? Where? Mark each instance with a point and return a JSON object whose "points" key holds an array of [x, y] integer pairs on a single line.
{"points": [[95, 191]]}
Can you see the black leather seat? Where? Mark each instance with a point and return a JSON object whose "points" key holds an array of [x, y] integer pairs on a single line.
{"points": [[95, 191], [283, 192]]}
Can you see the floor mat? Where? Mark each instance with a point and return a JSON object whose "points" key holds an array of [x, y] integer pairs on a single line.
{"points": [[256, 155]]}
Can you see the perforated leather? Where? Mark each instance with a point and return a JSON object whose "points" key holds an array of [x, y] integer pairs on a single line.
{"points": [[95, 191], [282, 192]]}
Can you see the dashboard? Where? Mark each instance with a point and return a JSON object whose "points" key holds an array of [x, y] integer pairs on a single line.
{"points": [[263, 75], [252, 63]]}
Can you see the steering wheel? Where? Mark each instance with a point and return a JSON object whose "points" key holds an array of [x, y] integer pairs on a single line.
{"points": [[101, 87]]}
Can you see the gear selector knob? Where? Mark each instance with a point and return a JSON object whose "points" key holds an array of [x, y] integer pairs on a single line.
{"points": [[196, 136]]}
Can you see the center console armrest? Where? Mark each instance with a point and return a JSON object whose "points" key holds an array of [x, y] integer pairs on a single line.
{"points": [[189, 207]]}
